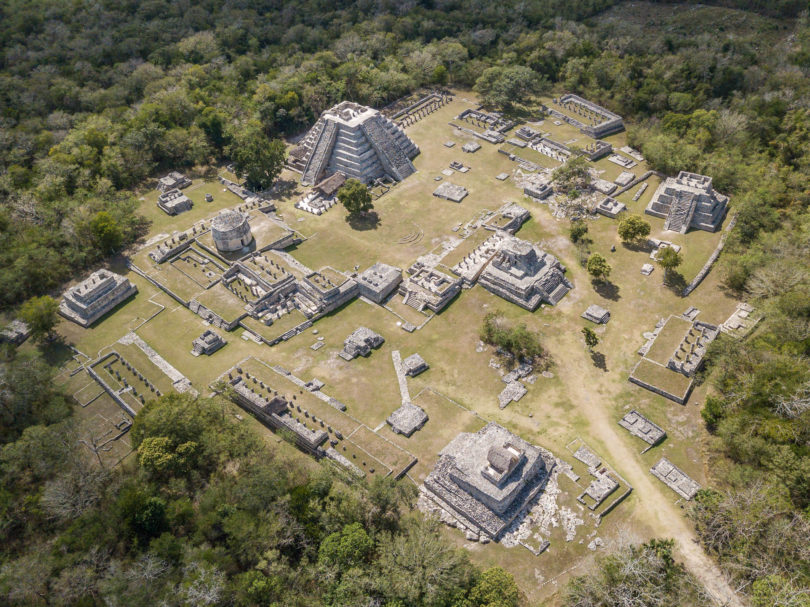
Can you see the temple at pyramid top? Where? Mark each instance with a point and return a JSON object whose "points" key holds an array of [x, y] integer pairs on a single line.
{"points": [[359, 142]]}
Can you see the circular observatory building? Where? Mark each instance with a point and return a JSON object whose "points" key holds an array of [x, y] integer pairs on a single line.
{"points": [[231, 231]]}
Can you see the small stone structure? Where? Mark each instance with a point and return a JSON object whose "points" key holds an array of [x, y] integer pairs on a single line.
{"points": [[377, 282], [610, 207], [450, 191], [173, 181], [596, 314], [599, 488], [407, 419], [624, 178], [638, 425], [414, 365], [92, 298], [688, 201], [487, 478], [16, 332], [599, 122], [647, 269], [741, 322], [524, 274], [174, 202], [513, 392], [675, 478], [508, 218], [231, 231], [603, 186], [471, 147], [207, 343], [360, 343], [358, 141], [323, 196], [428, 287]]}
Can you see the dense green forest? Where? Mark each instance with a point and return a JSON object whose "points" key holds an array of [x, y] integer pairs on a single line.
{"points": [[97, 98]]}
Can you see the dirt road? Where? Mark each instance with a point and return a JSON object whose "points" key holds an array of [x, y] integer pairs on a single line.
{"points": [[656, 501]]}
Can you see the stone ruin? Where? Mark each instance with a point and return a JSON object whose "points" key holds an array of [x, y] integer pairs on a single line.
{"points": [[414, 365], [610, 207], [360, 343], [513, 392], [323, 196], [596, 314], [207, 343], [92, 298], [625, 178], [688, 356], [598, 121], [274, 413], [599, 489], [450, 191], [688, 201], [231, 231], [508, 218], [471, 147], [407, 419], [173, 181], [16, 332], [174, 202], [486, 479], [359, 142], [428, 287], [378, 282], [638, 425], [524, 274], [741, 322], [675, 478]]}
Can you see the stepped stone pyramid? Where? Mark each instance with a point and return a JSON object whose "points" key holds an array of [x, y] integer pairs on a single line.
{"points": [[359, 142], [688, 201], [524, 274]]}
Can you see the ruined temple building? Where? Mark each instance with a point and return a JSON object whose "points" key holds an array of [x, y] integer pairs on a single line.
{"points": [[231, 231], [357, 141], [524, 274], [688, 201], [173, 181], [91, 299], [485, 479]]}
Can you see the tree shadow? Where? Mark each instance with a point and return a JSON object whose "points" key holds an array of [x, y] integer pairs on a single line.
{"points": [[638, 247], [606, 289], [55, 351], [674, 281], [364, 221], [599, 361], [284, 187]]}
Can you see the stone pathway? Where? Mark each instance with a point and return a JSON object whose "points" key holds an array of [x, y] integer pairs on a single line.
{"points": [[403, 384]]}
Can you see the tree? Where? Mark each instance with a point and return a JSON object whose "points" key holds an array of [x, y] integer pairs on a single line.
{"points": [[598, 267], [354, 195], [107, 234], [633, 228], [503, 86], [591, 338], [347, 548], [572, 177], [494, 588], [255, 158], [578, 230], [39, 313], [669, 259]]}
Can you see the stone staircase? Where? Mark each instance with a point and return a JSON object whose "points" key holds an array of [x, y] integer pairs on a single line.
{"points": [[320, 155], [392, 157], [680, 214]]}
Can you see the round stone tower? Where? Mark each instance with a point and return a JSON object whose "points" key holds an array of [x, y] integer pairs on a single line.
{"points": [[231, 231]]}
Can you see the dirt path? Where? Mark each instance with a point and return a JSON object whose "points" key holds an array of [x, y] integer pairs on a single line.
{"points": [[656, 502]]}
